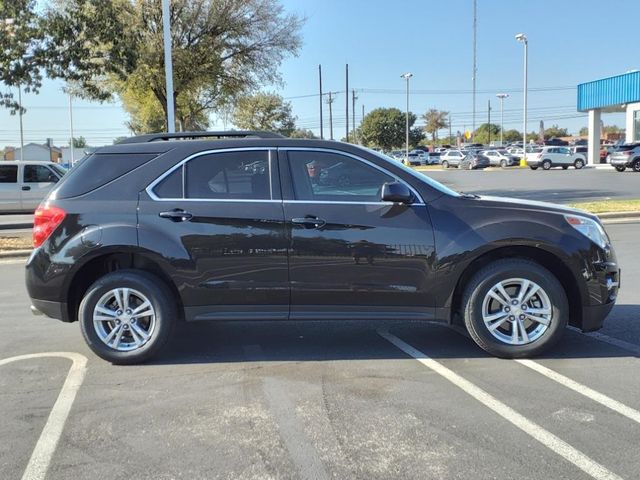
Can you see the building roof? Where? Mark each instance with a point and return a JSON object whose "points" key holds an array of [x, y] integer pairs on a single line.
{"points": [[610, 91]]}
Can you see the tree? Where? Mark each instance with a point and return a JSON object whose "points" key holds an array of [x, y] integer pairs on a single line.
{"points": [[21, 50], [584, 131], [481, 134], [79, 142], [302, 133], [221, 50], [385, 128], [435, 120], [555, 131], [264, 111], [512, 135]]}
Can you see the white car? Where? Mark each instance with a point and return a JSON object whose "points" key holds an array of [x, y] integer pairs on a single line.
{"points": [[501, 158], [23, 185], [451, 158], [550, 157]]}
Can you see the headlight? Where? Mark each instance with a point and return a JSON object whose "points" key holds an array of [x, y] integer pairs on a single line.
{"points": [[589, 228]]}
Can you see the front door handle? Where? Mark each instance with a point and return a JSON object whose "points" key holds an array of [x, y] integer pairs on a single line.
{"points": [[176, 215], [309, 222], [26, 188]]}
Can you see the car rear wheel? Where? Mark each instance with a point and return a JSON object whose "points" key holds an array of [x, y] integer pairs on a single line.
{"points": [[503, 163], [579, 163], [620, 168], [533, 168], [127, 316], [636, 166], [515, 308], [565, 167], [546, 164], [445, 164]]}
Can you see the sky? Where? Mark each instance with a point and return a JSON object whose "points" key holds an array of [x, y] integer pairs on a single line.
{"points": [[570, 42]]}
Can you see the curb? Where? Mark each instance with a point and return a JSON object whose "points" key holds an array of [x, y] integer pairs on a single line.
{"points": [[15, 254], [16, 226], [618, 215]]}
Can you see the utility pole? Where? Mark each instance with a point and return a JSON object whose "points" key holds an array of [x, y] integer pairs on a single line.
{"points": [[475, 69], [353, 113], [450, 135], [321, 122], [330, 101], [168, 66], [346, 102], [71, 145], [502, 96], [489, 119], [21, 126], [407, 76]]}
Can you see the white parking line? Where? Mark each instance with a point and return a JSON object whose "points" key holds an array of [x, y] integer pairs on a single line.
{"points": [[43, 452], [632, 347], [532, 429], [602, 399]]}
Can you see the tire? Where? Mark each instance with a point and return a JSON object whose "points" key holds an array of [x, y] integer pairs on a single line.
{"points": [[533, 168], [620, 168], [445, 164], [565, 167], [579, 163], [503, 163], [478, 305], [158, 325], [636, 165], [546, 164]]}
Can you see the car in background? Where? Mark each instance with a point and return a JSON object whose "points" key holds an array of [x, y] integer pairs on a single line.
{"points": [[451, 158], [626, 156], [501, 158], [474, 161], [24, 184], [556, 142], [581, 149], [550, 157], [417, 158]]}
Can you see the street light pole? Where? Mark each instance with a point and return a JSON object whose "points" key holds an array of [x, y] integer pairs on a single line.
{"points": [[168, 66], [21, 127], [71, 145], [521, 37], [407, 76], [502, 96]]}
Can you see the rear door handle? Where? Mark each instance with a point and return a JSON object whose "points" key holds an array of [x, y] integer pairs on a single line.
{"points": [[176, 215], [309, 222], [26, 188]]}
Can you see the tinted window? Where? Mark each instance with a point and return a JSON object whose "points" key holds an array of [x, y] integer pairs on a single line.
{"points": [[38, 174], [170, 186], [334, 177], [229, 175], [8, 173], [98, 170]]}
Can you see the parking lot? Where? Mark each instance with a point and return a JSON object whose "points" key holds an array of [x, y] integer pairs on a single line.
{"points": [[323, 400]]}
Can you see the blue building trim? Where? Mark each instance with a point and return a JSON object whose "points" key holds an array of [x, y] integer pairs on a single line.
{"points": [[606, 92]]}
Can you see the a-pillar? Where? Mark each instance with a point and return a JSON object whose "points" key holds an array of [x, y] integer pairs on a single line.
{"points": [[593, 154]]}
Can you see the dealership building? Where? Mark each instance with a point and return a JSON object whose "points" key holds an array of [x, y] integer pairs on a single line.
{"points": [[620, 93]]}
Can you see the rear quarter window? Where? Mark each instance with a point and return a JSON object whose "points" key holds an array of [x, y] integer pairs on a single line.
{"points": [[98, 170]]}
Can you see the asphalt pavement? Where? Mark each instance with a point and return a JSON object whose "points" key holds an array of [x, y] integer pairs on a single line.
{"points": [[321, 400]]}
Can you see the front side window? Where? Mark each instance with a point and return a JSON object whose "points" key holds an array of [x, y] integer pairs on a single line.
{"points": [[326, 176], [38, 174], [242, 175], [8, 173]]}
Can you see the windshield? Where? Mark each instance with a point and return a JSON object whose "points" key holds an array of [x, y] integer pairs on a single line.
{"points": [[423, 178], [58, 169]]}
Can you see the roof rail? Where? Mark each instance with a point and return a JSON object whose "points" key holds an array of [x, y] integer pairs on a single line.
{"points": [[155, 137]]}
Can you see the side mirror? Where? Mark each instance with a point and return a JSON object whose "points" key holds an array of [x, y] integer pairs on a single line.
{"points": [[396, 192]]}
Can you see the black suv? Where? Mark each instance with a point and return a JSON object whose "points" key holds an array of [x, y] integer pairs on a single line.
{"points": [[252, 226]]}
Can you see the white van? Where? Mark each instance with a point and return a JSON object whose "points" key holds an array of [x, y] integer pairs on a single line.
{"points": [[23, 185]]}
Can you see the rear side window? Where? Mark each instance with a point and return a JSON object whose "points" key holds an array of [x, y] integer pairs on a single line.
{"points": [[229, 176], [8, 174], [98, 170]]}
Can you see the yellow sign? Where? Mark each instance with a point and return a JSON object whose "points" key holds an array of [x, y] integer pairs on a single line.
{"points": [[467, 134]]}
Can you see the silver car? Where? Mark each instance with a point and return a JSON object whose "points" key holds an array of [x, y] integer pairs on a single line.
{"points": [[23, 185]]}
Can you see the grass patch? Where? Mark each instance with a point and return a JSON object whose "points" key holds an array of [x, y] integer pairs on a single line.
{"points": [[609, 206], [8, 244], [428, 167]]}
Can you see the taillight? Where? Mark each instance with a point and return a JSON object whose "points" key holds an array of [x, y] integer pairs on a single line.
{"points": [[46, 220]]}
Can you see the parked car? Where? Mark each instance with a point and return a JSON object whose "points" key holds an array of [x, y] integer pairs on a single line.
{"points": [[501, 158], [417, 158], [550, 157], [556, 142], [23, 184], [474, 161], [626, 156], [581, 149], [451, 158], [153, 231]]}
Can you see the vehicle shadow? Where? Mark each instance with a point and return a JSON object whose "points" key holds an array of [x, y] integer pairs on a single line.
{"points": [[268, 341]]}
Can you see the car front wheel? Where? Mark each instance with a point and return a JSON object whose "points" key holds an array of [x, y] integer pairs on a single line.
{"points": [[127, 316], [515, 308], [636, 166], [445, 164], [579, 163], [533, 168], [620, 168], [546, 164]]}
